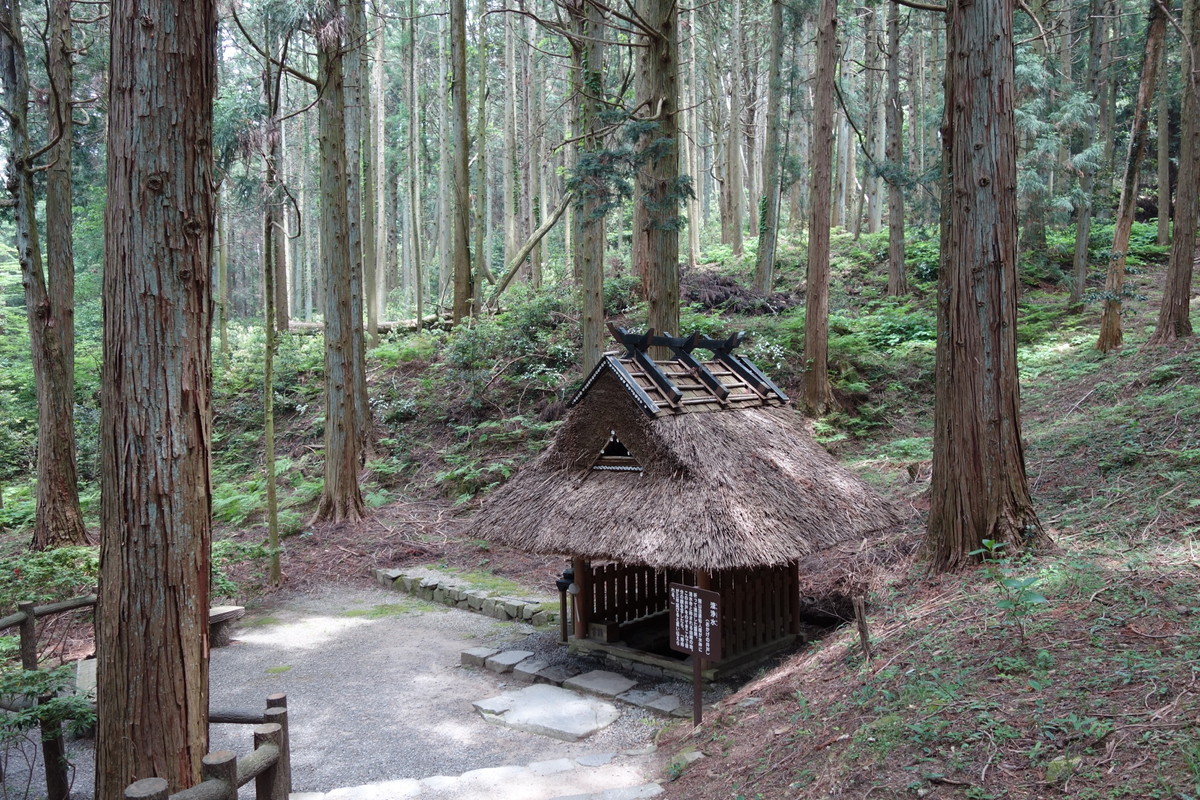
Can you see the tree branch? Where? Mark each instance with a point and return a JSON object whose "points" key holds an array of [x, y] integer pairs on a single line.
{"points": [[920, 6], [515, 264], [253, 44]]}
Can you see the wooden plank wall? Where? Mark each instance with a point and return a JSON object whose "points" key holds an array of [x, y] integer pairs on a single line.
{"points": [[626, 592], [755, 607]]}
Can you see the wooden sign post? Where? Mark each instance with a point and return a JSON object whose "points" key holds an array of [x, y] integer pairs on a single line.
{"points": [[696, 629]]}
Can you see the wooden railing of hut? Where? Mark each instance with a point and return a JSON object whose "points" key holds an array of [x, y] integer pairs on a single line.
{"points": [[269, 764], [758, 604], [625, 593], [757, 608]]}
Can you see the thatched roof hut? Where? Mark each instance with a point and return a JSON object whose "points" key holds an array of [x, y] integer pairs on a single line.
{"points": [[681, 469]]}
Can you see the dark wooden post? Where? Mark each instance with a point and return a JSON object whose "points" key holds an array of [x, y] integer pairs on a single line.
{"points": [[794, 598], [54, 752], [860, 616], [277, 713], [583, 598], [147, 789], [268, 785], [221, 767], [703, 581]]}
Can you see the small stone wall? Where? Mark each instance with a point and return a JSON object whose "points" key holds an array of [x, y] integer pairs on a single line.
{"points": [[447, 590]]}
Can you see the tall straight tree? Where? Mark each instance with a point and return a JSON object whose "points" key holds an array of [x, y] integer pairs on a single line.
{"points": [[897, 285], [658, 191], [60, 257], [1163, 136], [1174, 317], [341, 498], [768, 228], [818, 395], [460, 224], [415, 249], [733, 145], [274, 263], [587, 53], [980, 490], [1089, 166], [1114, 282], [481, 138], [58, 520], [156, 396], [354, 75], [372, 177]]}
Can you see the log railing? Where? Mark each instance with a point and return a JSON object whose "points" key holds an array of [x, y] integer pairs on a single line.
{"points": [[54, 749], [269, 764]]}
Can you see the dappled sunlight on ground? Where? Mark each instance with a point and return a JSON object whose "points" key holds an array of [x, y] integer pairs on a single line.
{"points": [[306, 634]]}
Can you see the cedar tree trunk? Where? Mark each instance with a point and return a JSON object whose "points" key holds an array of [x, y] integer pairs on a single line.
{"points": [[894, 113], [156, 397], [979, 486], [460, 224], [768, 227], [657, 194], [818, 396], [341, 498], [59, 520], [587, 50], [1174, 318], [1114, 283]]}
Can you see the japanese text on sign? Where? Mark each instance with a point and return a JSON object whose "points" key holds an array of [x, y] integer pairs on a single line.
{"points": [[695, 621]]}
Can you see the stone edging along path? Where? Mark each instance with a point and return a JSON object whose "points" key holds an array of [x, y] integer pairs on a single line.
{"points": [[449, 590]]}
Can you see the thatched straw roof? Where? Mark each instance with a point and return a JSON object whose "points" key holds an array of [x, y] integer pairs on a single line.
{"points": [[738, 487]]}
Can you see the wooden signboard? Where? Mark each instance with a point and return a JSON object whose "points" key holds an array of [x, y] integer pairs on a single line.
{"points": [[695, 628]]}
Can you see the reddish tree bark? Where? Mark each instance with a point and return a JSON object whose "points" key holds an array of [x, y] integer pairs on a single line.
{"points": [[152, 621], [818, 395], [48, 309], [657, 195], [460, 226], [587, 234], [341, 498], [1174, 316], [979, 490]]}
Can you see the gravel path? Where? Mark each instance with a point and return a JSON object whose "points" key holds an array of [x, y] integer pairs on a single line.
{"points": [[375, 691]]}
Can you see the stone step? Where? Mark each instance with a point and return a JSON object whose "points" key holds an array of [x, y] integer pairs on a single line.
{"points": [[548, 711], [601, 776], [527, 668]]}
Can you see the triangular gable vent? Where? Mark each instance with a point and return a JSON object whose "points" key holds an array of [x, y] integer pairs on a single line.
{"points": [[615, 457]]}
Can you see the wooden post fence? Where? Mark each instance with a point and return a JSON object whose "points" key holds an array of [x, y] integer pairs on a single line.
{"points": [[54, 750], [269, 764]]}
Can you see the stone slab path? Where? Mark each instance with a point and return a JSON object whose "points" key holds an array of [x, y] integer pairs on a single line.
{"points": [[600, 776], [379, 701], [377, 694], [525, 667], [548, 711]]}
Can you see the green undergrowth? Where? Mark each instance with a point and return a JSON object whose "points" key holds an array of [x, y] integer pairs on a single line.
{"points": [[1097, 701], [1114, 441], [386, 610]]}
